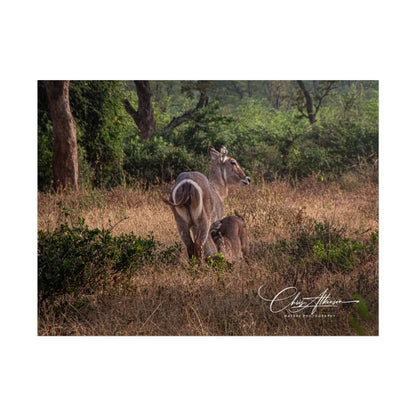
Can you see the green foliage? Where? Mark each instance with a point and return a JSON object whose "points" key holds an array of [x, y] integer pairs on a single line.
{"points": [[208, 127], [75, 259], [306, 157], [100, 119], [45, 174], [162, 113], [171, 254], [356, 326], [194, 267], [45, 141], [101, 124], [85, 170], [326, 247], [374, 241], [157, 160], [218, 263], [361, 309], [258, 121]]}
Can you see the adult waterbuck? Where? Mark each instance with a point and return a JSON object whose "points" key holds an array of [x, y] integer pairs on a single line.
{"points": [[196, 201], [230, 237]]}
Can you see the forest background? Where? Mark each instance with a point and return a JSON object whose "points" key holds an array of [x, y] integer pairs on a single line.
{"points": [[311, 149], [278, 129]]}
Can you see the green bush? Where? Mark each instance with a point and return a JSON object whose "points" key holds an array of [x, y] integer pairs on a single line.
{"points": [[268, 142], [208, 127], [360, 316], [218, 263], [76, 259], [45, 174], [101, 125], [157, 160], [326, 247]]}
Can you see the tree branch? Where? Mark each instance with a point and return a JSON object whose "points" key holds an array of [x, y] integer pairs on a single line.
{"points": [[129, 108], [329, 87], [309, 103], [176, 121]]}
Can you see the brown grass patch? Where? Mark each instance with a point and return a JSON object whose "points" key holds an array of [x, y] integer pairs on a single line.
{"points": [[178, 299]]}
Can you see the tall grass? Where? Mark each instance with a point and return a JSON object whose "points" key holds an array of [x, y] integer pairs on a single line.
{"points": [[184, 298]]}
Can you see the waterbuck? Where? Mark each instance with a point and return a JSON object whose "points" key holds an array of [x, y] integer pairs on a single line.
{"points": [[230, 237], [196, 201]]}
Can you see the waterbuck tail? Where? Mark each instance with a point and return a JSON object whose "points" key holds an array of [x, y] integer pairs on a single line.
{"points": [[238, 215], [181, 203], [165, 200], [186, 200], [181, 196], [187, 193]]}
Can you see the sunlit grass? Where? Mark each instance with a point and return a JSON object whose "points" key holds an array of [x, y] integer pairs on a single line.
{"points": [[198, 299]]}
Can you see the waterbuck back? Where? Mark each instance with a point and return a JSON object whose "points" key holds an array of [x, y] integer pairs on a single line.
{"points": [[230, 237], [196, 201]]}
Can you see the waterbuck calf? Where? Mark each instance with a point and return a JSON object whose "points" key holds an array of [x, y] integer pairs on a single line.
{"points": [[196, 201], [230, 237]]}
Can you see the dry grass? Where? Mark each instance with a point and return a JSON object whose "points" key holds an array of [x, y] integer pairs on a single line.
{"points": [[178, 299]]}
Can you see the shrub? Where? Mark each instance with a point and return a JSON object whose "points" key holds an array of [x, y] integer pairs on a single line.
{"points": [[326, 247], [207, 127], [45, 174], [156, 160], [76, 259], [361, 315], [218, 263]]}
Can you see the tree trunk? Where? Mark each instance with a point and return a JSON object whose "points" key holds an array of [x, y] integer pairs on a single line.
{"points": [[309, 103], [249, 89], [143, 117], [65, 152]]}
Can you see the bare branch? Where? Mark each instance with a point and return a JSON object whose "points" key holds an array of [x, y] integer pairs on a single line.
{"points": [[129, 108], [329, 87], [176, 121]]}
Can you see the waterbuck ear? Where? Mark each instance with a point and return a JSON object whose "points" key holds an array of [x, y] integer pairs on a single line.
{"points": [[215, 227], [238, 215], [214, 155], [224, 153]]}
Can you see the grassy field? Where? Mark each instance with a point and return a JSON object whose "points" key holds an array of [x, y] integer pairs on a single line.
{"points": [[313, 236]]}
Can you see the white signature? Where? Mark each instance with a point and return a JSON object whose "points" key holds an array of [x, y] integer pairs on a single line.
{"points": [[289, 299]]}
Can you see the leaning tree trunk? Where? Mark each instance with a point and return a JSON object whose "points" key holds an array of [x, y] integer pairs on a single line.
{"points": [[309, 103], [143, 117], [65, 153]]}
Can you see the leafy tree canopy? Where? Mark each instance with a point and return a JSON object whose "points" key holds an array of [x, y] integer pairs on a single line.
{"points": [[264, 123]]}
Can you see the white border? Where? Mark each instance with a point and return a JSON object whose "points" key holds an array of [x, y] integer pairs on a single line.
{"points": [[216, 40]]}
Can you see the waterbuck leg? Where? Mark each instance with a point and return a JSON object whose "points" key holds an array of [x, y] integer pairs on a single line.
{"points": [[210, 248], [204, 245], [185, 234], [190, 246]]}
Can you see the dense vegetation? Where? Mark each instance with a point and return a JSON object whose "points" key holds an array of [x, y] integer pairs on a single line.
{"points": [[75, 259], [110, 260], [265, 123]]}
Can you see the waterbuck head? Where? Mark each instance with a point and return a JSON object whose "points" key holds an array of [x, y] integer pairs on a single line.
{"points": [[230, 237], [225, 171]]}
